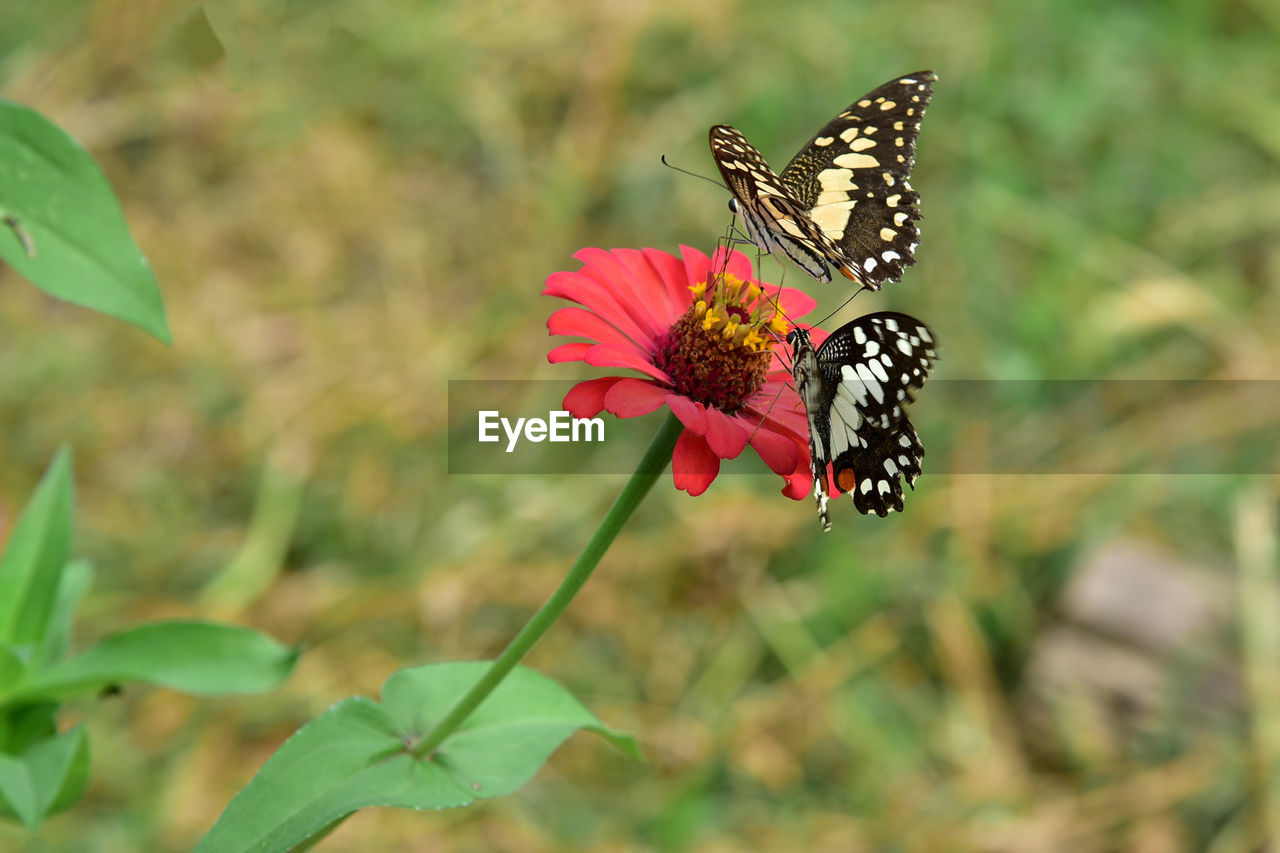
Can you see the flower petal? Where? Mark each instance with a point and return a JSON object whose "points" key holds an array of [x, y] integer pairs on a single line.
{"points": [[691, 414], [795, 303], [586, 399], [674, 276], [569, 352], [633, 296], [798, 485], [588, 324], [696, 264], [605, 299], [653, 284], [778, 451], [693, 466], [725, 435], [631, 398], [603, 355], [736, 264]]}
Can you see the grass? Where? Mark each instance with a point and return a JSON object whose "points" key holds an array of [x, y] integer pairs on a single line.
{"points": [[362, 205]]}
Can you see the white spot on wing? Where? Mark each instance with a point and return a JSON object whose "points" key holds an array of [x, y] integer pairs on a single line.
{"points": [[854, 160], [869, 380]]}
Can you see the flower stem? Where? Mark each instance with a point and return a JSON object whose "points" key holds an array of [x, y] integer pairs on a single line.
{"points": [[651, 467]]}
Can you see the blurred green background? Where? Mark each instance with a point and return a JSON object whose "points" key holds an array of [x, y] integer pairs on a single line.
{"points": [[348, 204]]}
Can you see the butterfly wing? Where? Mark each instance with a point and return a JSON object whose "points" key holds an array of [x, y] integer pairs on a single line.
{"points": [[866, 373], [852, 178], [871, 470], [774, 218], [875, 363]]}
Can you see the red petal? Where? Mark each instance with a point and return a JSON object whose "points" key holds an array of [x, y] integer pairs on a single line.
{"points": [[795, 303], [614, 305], [739, 265], [691, 414], [603, 355], [696, 264], [693, 465], [725, 435], [651, 282], [778, 451], [674, 276], [587, 324], [631, 398], [634, 296], [586, 399], [568, 352], [798, 485]]}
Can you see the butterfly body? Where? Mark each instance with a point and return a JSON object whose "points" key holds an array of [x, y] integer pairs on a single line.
{"points": [[854, 388], [844, 200]]}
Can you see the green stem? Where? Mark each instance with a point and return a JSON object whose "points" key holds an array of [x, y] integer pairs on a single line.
{"points": [[651, 467]]}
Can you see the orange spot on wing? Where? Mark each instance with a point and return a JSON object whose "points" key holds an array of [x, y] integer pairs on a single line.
{"points": [[846, 480], [851, 273]]}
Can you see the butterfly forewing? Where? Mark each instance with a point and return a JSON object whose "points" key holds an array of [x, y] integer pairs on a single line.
{"points": [[774, 218], [853, 178], [875, 362], [848, 202]]}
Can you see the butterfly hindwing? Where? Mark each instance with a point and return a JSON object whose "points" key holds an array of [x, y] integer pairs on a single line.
{"points": [[854, 387], [872, 472], [845, 197]]}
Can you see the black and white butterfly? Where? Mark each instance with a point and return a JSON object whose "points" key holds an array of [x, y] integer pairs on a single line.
{"points": [[854, 387], [844, 200]]}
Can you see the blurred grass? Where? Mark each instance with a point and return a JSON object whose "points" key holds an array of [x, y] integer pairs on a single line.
{"points": [[361, 202]]}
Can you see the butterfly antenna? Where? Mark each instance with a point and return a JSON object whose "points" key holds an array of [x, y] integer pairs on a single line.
{"points": [[663, 158], [840, 307]]}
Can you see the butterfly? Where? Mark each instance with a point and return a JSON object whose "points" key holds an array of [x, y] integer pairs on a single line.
{"points": [[844, 200], [854, 387]]}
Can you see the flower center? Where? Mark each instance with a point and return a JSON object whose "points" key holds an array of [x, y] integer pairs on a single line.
{"points": [[718, 352]]}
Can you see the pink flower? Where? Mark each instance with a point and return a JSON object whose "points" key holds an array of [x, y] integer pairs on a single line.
{"points": [[702, 333]]}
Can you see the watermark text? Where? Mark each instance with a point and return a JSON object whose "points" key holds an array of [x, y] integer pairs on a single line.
{"points": [[558, 426]]}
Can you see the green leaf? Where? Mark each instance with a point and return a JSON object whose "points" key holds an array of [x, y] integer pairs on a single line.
{"points": [[26, 725], [356, 755], [77, 577], [59, 769], [32, 563], [12, 666], [46, 778], [194, 657], [17, 794], [62, 228]]}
